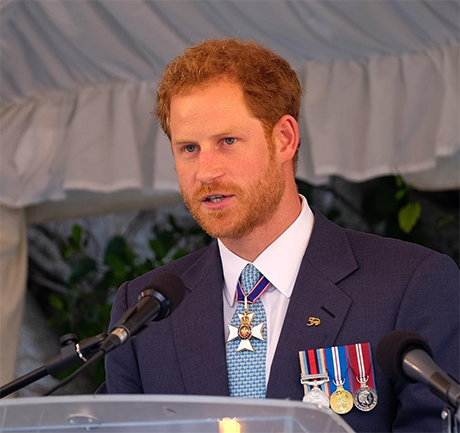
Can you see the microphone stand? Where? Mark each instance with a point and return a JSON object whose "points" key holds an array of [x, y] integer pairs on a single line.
{"points": [[71, 352], [450, 419]]}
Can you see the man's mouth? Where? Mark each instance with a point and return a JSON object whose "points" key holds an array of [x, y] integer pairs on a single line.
{"points": [[215, 198]]}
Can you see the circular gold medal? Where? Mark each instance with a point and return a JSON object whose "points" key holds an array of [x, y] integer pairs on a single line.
{"points": [[341, 401]]}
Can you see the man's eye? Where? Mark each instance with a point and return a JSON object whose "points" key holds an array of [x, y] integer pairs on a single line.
{"points": [[229, 140], [190, 148]]}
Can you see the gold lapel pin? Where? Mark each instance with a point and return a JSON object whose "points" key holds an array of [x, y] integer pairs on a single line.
{"points": [[313, 321]]}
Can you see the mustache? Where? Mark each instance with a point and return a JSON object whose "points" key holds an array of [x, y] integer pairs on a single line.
{"points": [[224, 188]]}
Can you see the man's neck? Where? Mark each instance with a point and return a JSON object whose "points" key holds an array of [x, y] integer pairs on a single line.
{"points": [[250, 246]]}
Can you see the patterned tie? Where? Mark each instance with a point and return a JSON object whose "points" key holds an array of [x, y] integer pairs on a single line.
{"points": [[246, 369]]}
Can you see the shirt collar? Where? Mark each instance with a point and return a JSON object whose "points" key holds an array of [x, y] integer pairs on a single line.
{"points": [[279, 262]]}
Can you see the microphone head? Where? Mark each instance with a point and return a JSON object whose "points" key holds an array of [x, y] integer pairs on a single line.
{"points": [[391, 351], [169, 289]]}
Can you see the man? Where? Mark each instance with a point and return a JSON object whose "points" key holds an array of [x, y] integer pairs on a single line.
{"points": [[230, 109]]}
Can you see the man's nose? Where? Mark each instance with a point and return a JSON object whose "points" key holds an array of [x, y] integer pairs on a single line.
{"points": [[210, 167]]}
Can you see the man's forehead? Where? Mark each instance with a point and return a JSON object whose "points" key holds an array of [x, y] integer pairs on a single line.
{"points": [[225, 97], [192, 87], [219, 108]]}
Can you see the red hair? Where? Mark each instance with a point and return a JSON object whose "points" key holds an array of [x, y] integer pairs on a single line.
{"points": [[270, 86]]}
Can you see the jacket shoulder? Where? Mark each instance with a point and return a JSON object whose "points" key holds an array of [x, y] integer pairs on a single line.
{"points": [[394, 251]]}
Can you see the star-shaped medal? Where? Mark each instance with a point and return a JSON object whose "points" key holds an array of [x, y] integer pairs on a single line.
{"points": [[246, 332]]}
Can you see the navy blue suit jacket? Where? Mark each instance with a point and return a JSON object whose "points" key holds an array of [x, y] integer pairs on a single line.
{"points": [[361, 286]]}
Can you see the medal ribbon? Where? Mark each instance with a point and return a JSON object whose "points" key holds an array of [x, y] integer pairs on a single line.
{"points": [[256, 292], [303, 368], [314, 362], [360, 356], [321, 356], [336, 358]]}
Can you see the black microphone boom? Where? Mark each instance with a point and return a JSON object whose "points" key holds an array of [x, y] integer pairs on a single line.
{"points": [[156, 302], [405, 356]]}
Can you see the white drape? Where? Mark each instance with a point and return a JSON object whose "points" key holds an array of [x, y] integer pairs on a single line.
{"points": [[78, 81]]}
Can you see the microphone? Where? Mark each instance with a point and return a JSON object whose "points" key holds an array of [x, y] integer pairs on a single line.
{"points": [[407, 357], [157, 301]]}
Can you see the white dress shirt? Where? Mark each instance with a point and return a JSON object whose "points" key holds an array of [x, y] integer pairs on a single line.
{"points": [[280, 264]]}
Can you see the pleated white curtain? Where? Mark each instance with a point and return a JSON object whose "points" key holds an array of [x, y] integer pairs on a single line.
{"points": [[78, 82]]}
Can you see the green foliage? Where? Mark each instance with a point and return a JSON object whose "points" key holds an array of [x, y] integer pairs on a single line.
{"points": [[408, 216], [388, 200], [385, 201], [81, 268], [445, 221], [84, 308]]}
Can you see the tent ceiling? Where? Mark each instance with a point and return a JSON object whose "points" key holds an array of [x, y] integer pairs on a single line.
{"points": [[78, 80]]}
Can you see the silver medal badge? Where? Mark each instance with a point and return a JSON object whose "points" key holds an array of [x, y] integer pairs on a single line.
{"points": [[365, 398], [315, 395]]}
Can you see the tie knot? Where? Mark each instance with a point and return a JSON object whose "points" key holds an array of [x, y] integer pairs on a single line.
{"points": [[249, 277]]}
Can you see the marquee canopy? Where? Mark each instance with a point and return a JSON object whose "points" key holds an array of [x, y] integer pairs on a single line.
{"points": [[78, 80]]}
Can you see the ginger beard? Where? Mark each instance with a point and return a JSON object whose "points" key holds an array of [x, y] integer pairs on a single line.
{"points": [[255, 203]]}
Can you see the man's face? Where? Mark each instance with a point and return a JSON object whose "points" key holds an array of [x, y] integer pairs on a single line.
{"points": [[228, 171]]}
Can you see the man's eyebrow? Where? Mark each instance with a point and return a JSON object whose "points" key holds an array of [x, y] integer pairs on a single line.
{"points": [[230, 131], [227, 132], [182, 141]]}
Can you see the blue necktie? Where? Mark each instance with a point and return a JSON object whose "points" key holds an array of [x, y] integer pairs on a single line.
{"points": [[246, 369]]}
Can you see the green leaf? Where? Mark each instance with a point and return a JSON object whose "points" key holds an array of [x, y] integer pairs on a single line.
{"points": [[116, 247], [75, 236], [104, 313], [167, 239], [181, 252], [56, 302], [69, 251], [75, 242], [81, 268], [158, 248], [130, 256], [408, 216], [105, 283], [116, 265], [174, 225], [400, 182], [445, 220], [400, 194], [143, 268]]}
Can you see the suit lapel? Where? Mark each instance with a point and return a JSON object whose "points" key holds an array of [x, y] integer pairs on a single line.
{"points": [[328, 260], [198, 329]]}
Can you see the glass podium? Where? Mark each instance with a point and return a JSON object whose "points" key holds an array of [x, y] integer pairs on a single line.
{"points": [[165, 414]]}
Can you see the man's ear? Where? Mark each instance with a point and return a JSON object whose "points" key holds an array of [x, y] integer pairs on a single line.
{"points": [[286, 136]]}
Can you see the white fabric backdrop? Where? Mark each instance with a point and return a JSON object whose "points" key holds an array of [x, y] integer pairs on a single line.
{"points": [[78, 80]]}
